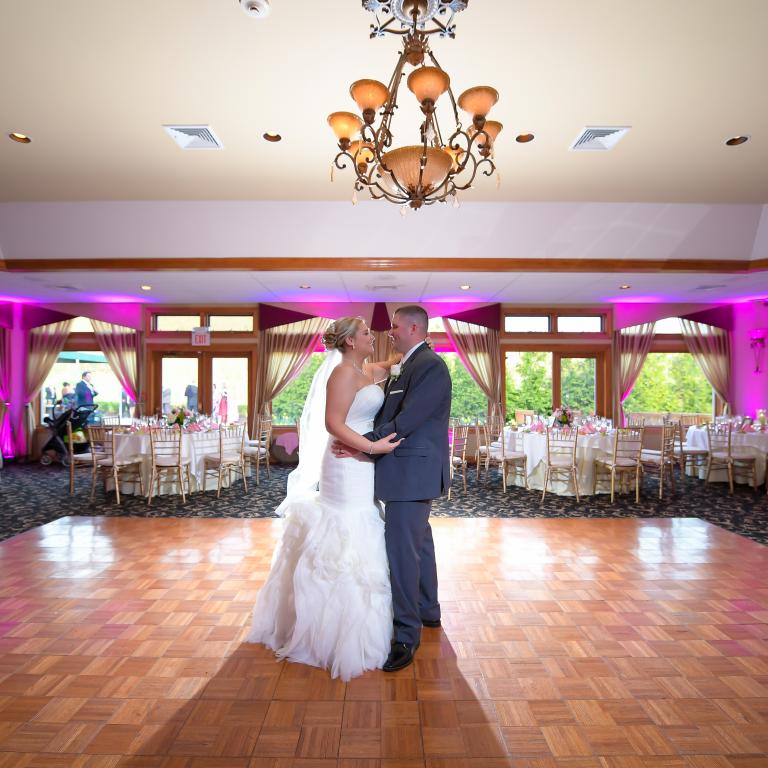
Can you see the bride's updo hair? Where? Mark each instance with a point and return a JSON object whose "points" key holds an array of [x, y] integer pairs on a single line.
{"points": [[339, 331]]}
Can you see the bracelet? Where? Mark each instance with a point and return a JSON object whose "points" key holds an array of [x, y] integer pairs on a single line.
{"points": [[370, 448]]}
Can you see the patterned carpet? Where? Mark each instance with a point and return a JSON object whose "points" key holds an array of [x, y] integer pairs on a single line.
{"points": [[31, 495]]}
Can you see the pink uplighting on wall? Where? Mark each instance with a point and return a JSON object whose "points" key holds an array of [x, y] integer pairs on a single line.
{"points": [[19, 300]]}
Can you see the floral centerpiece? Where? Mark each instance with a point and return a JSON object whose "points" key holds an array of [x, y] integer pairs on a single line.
{"points": [[179, 416], [562, 417]]}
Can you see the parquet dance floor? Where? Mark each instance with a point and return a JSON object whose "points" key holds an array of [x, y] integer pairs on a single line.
{"points": [[578, 643]]}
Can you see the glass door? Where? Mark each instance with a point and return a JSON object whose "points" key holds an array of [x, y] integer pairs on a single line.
{"points": [[210, 383], [179, 383], [229, 388]]}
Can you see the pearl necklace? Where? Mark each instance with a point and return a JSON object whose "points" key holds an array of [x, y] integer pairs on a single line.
{"points": [[359, 370]]}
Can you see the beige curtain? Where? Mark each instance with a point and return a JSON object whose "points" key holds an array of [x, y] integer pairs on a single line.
{"points": [[283, 352], [45, 345], [120, 346], [711, 347], [479, 349], [382, 348], [630, 348]]}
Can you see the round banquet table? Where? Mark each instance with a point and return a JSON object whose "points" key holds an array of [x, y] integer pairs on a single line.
{"points": [[756, 442], [194, 445], [534, 445]]}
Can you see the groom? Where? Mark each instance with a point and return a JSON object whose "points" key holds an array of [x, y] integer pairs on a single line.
{"points": [[417, 406]]}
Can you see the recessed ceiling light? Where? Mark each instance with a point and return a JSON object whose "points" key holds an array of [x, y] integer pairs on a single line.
{"points": [[304, 286], [465, 287], [736, 141], [146, 287], [624, 287], [524, 138], [273, 136], [21, 138]]}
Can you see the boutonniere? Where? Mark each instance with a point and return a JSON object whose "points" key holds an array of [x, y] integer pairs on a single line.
{"points": [[394, 371]]}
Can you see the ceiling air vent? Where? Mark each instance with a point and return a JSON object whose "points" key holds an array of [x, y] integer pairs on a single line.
{"points": [[594, 139], [381, 287], [194, 136]]}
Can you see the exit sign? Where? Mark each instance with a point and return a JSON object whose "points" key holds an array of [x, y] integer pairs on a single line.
{"points": [[201, 337]]}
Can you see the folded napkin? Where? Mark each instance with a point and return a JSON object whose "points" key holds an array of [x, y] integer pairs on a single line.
{"points": [[747, 428]]}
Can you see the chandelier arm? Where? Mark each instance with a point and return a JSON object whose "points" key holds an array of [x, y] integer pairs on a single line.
{"points": [[450, 90], [340, 160]]}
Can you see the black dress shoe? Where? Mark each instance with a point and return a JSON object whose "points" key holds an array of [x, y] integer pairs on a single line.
{"points": [[400, 656], [432, 623]]}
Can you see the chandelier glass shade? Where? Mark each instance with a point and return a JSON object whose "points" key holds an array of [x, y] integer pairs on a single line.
{"points": [[439, 164]]}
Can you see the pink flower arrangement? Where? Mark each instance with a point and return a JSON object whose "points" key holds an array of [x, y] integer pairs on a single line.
{"points": [[562, 417], [179, 416]]}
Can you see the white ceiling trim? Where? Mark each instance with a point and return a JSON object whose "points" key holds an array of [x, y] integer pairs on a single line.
{"points": [[242, 229]]}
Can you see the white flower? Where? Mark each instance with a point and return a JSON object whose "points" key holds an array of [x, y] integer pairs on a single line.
{"points": [[395, 370]]}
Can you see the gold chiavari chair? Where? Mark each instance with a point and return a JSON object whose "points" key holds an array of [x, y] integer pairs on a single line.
{"points": [[522, 415], [230, 457], [257, 450], [493, 435], [561, 457], [722, 455], [110, 421], [663, 461], [499, 455], [108, 464], [459, 436], [635, 422], [168, 456], [85, 459], [685, 452], [625, 460]]}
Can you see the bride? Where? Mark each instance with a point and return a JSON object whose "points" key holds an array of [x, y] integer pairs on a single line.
{"points": [[327, 600]]}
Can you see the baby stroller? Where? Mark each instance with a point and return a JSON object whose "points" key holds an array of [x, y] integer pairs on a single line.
{"points": [[56, 447]]}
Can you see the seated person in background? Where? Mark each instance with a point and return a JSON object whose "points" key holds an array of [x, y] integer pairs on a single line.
{"points": [[67, 396]]}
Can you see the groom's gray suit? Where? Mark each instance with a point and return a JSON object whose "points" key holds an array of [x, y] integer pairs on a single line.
{"points": [[417, 407]]}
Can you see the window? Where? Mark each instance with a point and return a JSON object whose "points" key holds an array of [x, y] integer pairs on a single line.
{"points": [[176, 322], [529, 382], [59, 389], [230, 323], [668, 325], [81, 325], [670, 382], [526, 323], [468, 402], [580, 324], [578, 386], [286, 407]]}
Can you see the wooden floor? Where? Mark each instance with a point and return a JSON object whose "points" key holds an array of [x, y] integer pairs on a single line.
{"points": [[581, 643]]}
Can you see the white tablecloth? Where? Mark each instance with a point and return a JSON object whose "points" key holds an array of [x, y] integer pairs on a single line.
{"points": [[534, 445], [756, 442], [194, 445]]}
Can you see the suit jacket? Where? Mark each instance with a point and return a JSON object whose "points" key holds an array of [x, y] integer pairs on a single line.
{"points": [[83, 393], [417, 407]]}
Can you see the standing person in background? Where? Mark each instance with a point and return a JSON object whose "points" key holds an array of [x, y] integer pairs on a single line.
{"points": [[191, 394], [165, 397], [84, 391]]}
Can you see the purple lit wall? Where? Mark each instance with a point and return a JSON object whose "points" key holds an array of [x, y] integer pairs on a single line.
{"points": [[749, 387]]}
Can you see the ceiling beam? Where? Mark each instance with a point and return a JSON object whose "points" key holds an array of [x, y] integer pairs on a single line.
{"points": [[377, 264]]}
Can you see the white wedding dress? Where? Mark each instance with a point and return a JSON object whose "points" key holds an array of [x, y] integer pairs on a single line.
{"points": [[327, 600]]}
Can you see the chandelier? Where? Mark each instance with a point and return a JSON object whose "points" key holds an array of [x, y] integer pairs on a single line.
{"points": [[440, 164]]}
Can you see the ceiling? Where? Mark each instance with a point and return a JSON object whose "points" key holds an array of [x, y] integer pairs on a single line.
{"points": [[92, 82], [235, 287]]}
